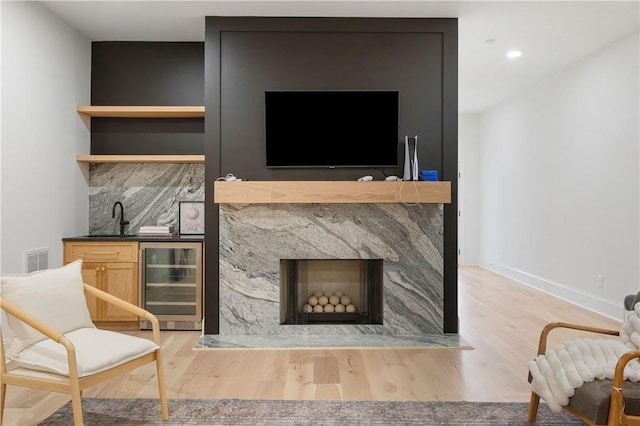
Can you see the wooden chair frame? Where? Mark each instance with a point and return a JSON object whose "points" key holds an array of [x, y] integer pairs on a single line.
{"points": [[616, 406], [72, 384]]}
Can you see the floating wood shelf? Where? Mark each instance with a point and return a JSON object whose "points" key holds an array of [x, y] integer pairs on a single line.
{"points": [[140, 158], [142, 111], [249, 192]]}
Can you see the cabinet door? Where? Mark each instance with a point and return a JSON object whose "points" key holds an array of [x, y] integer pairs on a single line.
{"points": [[121, 280], [91, 275]]}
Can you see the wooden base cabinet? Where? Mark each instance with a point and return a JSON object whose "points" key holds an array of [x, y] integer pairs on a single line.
{"points": [[111, 267]]}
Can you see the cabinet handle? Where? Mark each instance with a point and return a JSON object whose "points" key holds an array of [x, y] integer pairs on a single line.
{"points": [[101, 254], [103, 269], [97, 269]]}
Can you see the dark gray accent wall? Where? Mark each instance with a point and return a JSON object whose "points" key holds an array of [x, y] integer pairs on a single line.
{"points": [[255, 62], [147, 73], [246, 56], [150, 136]]}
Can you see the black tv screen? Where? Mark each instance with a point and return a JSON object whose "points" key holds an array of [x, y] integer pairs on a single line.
{"points": [[331, 128]]}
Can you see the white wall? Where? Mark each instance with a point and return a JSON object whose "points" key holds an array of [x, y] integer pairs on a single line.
{"points": [[469, 188], [46, 71], [1, 317], [559, 183]]}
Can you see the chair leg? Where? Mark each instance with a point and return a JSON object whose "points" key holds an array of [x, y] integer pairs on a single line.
{"points": [[76, 403], [162, 390], [3, 392], [533, 406]]}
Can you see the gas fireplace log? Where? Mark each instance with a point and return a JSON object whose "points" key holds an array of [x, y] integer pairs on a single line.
{"points": [[329, 301]]}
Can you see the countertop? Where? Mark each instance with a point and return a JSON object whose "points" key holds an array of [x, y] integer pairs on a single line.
{"points": [[140, 238]]}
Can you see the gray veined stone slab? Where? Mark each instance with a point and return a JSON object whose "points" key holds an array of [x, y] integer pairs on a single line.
{"points": [[254, 237], [216, 341], [150, 193]]}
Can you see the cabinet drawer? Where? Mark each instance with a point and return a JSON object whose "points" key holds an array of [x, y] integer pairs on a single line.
{"points": [[101, 252]]}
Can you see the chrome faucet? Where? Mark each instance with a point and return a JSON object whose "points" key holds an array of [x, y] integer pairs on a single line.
{"points": [[123, 222]]}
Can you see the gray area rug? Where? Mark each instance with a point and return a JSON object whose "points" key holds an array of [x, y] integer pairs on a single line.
{"points": [[125, 412]]}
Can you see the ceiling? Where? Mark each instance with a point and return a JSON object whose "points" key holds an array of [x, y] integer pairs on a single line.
{"points": [[551, 34]]}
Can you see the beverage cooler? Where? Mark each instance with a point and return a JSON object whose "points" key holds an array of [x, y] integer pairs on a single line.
{"points": [[171, 284]]}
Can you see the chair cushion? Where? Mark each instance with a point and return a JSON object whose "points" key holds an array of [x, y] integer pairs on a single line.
{"points": [[54, 296], [96, 350], [592, 400]]}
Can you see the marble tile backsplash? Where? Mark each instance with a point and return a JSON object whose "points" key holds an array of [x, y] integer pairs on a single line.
{"points": [[150, 194]]}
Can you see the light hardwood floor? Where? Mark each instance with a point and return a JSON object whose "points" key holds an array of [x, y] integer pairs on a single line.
{"points": [[500, 318]]}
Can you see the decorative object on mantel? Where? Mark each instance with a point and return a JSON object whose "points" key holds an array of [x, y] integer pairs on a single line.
{"points": [[229, 178], [191, 217], [410, 158], [429, 175]]}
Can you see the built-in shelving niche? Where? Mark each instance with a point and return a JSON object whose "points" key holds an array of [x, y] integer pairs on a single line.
{"points": [[147, 111]]}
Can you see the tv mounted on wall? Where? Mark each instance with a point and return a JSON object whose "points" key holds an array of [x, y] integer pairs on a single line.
{"points": [[331, 128]]}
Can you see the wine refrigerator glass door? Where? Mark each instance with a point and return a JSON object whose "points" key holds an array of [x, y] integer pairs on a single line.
{"points": [[171, 280]]}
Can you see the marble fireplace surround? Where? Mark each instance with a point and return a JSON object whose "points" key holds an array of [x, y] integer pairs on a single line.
{"points": [[263, 222]]}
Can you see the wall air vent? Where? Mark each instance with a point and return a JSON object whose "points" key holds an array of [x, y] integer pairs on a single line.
{"points": [[36, 260]]}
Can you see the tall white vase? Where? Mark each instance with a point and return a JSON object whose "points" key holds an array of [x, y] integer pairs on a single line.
{"points": [[407, 161], [410, 158]]}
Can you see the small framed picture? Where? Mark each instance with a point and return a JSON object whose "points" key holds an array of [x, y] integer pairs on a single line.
{"points": [[191, 217]]}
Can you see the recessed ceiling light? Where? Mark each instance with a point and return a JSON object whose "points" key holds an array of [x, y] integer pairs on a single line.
{"points": [[513, 54]]}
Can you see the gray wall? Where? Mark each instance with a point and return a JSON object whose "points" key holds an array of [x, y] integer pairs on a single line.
{"points": [[147, 73], [255, 62]]}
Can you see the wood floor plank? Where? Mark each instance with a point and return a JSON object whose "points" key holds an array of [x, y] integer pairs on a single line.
{"points": [[499, 317], [328, 391], [325, 370], [299, 382], [353, 375]]}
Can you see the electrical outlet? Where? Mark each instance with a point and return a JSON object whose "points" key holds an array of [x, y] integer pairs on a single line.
{"points": [[599, 281]]}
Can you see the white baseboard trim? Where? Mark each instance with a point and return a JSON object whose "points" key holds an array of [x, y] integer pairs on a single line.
{"points": [[608, 309]]}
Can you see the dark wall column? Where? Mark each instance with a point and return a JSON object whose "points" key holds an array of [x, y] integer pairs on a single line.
{"points": [[211, 173], [450, 173]]}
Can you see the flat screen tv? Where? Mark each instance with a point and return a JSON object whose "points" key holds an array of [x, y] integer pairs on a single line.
{"points": [[331, 128]]}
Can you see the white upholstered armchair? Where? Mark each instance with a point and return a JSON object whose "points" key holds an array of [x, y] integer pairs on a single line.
{"points": [[55, 346]]}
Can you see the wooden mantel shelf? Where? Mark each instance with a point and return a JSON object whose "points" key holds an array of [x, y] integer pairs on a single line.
{"points": [[249, 192], [142, 111], [140, 158]]}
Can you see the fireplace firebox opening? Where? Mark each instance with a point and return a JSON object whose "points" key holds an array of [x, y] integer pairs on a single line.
{"points": [[331, 291]]}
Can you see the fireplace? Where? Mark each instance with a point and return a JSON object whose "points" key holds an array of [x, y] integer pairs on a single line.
{"points": [[331, 291], [404, 241]]}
